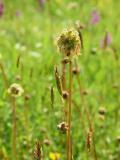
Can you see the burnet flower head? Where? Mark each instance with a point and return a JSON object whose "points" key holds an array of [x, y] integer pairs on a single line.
{"points": [[69, 42], [15, 90]]}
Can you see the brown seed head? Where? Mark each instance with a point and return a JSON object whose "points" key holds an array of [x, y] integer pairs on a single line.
{"points": [[89, 140], [27, 97], [102, 111], [76, 71], [37, 151], [65, 94], [63, 127]]}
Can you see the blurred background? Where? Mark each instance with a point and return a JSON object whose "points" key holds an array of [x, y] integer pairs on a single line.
{"points": [[28, 54]]}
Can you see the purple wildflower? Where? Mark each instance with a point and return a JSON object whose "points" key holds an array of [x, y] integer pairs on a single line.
{"points": [[95, 17], [106, 41], [42, 2], [17, 13], [1, 9]]}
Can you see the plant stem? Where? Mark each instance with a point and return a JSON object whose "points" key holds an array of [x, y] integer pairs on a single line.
{"points": [[63, 73], [14, 136], [26, 123], [69, 111], [4, 76], [87, 113]]}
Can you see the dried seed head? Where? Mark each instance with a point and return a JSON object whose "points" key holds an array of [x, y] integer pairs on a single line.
{"points": [[102, 111], [27, 97], [69, 42], [89, 140], [37, 151], [15, 90], [47, 142], [76, 71], [65, 94], [63, 127]]}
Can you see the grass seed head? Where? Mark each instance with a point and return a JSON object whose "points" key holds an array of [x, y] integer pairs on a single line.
{"points": [[15, 90], [89, 139], [37, 151]]}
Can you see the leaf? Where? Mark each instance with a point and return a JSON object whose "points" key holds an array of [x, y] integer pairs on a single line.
{"points": [[58, 81], [52, 96]]}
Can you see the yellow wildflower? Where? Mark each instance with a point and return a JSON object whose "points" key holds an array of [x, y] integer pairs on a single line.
{"points": [[54, 156]]}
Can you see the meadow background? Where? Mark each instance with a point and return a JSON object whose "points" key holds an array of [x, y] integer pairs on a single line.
{"points": [[28, 31]]}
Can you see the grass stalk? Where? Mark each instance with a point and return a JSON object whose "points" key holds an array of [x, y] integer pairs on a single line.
{"points": [[4, 76], [14, 130], [88, 115], [69, 112]]}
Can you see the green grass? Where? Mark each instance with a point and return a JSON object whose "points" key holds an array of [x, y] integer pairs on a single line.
{"points": [[30, 36]]}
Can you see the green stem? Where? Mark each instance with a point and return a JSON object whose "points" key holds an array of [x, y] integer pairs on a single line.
{"points": [[69, 110], [14, 136], [4, 76]]}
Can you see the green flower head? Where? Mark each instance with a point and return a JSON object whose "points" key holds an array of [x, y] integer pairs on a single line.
{"points": [[69, 42]]}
